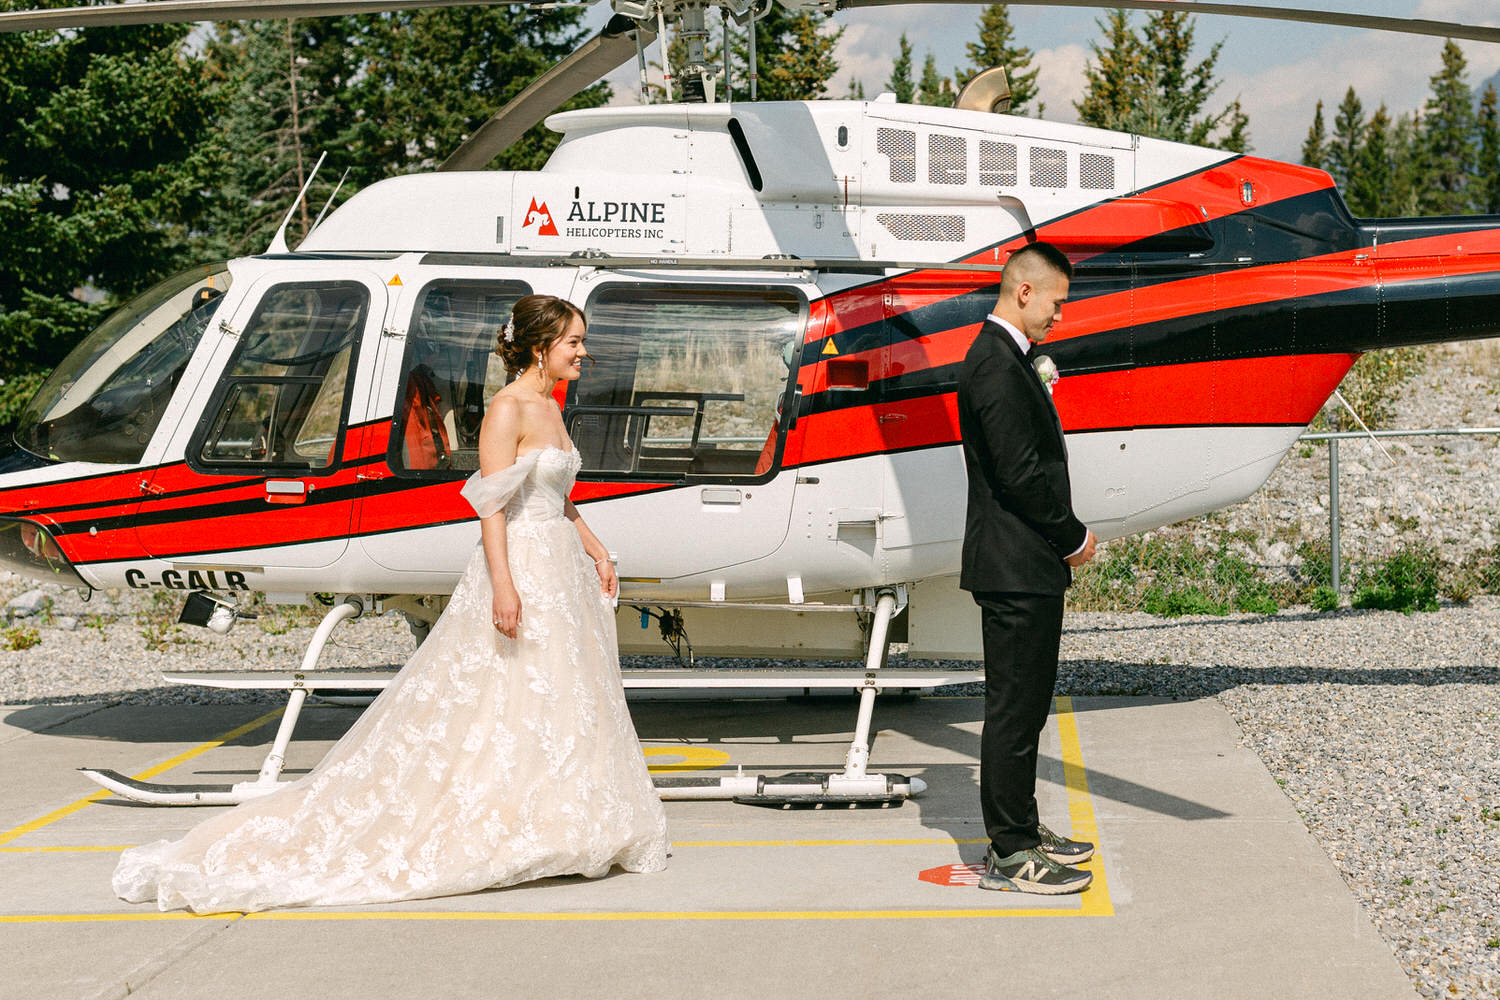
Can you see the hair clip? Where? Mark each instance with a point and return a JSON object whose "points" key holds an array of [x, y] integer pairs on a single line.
{"points": [[508, 331]]}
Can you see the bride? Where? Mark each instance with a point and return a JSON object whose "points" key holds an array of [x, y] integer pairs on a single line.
{"points": [[502, 752]]}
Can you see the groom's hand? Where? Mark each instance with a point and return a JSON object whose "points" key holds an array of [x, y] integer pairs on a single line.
{"points": [[1084, 554]]}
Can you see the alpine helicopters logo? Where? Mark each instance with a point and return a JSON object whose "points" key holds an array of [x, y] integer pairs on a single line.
{"points": [[539, 220], [617, 218]]}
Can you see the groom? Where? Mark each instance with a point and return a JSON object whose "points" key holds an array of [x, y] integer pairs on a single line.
{"points": [[1019, 544]]}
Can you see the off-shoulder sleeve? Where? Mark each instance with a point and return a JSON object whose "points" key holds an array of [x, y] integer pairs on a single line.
{"points": [[488, 494]]}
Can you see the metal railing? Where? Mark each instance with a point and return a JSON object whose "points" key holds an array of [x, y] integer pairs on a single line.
{"points": [[1333, 438]]}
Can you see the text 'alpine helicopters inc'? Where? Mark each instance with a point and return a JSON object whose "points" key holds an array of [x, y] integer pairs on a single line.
{"points": [[779, 296]]}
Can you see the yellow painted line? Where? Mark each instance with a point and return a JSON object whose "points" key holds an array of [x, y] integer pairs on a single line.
{"points": [[77, 849], [1096, 901], [692, 759], [872, 842], [851, 842], [98, 918], [68, 810], [63, 918]]}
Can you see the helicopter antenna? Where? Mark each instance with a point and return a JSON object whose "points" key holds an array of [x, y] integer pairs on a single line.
{"points": [[329, 202], [278, 242]]}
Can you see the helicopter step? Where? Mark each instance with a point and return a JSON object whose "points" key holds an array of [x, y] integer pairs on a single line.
{"points": [[852, 786]]}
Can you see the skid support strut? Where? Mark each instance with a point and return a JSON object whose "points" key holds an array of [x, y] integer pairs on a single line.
{"points": [[851, 786], [269, 778]]}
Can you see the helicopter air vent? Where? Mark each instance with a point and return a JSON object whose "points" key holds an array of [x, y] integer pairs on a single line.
{"points": [[1096, 171], [997, 163], [901, 146], [947, 159], [930, 228], [1049, 167]]}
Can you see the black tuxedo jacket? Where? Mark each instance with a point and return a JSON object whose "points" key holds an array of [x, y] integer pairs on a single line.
{"points": [[1020, 525]]}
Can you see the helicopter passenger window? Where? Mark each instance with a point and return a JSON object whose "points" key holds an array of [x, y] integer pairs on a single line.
{"points": [[448, 373], [687, 382], [282, 401]]}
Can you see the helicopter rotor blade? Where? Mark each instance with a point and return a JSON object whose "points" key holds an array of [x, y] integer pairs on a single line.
{"points": [[1406, 25], [181, 11], [611, 48]]}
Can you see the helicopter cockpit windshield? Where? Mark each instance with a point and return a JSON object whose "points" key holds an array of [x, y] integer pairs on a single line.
{"points": [[103, 402]]}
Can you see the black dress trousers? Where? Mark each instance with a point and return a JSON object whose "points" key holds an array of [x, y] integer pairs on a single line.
{"points": [[1021, 633]]}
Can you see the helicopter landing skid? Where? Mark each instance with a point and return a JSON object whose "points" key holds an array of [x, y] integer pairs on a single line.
{"points": [[851, 787]]}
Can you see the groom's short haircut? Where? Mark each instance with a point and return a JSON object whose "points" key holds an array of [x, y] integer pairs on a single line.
{"points": [[1031, 262]]}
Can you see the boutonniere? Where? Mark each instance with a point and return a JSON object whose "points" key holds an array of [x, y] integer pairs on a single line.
{"points": [[1046, 370]]}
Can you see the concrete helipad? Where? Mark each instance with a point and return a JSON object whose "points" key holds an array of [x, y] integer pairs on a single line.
{"points": [[1206, 884]]}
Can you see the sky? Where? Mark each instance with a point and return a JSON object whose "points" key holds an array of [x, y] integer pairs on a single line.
{"points": [[1278, 71]]}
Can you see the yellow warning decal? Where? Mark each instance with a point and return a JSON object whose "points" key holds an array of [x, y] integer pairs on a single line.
{"points": [[395, 280], [830, 347]]}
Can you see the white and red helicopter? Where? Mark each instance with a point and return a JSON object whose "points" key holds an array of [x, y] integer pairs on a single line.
{"points": [[779, 296]]}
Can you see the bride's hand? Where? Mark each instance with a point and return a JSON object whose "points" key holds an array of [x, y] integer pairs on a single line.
{"points": [[506, 610], [608, 581]]}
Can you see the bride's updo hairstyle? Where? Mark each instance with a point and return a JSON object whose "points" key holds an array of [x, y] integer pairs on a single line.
{"points": [[536, 323]]}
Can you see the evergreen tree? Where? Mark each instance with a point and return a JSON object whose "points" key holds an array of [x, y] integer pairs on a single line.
{"points": [[1371, 192], [1448, 137], [104, 176], [276, 90], [1148, 84], [1348, 137], [1487, 199], [934, 89], [428, 78], [996, 47], [794, 52], [1315, 146], [1113, 75], [1409, 168], [900, 82]]}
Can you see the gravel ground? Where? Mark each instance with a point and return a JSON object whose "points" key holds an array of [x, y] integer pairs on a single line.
{"points": [[1383, 729]]}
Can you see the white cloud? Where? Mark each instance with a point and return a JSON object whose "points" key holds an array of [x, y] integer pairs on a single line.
{"points": [[1060, 80]]}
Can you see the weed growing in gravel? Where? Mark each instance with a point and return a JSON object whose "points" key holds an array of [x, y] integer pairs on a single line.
{"points": [[22, 637], [1323, 598], [1405, 581]]}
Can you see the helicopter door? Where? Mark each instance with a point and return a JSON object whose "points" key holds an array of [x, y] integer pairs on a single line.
{"points": [[679, 422], [436, 381], [269, 476]]}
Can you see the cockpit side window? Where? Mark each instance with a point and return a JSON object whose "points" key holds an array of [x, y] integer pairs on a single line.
{"points": [[283, 400], [450, 369], [689, 381]]}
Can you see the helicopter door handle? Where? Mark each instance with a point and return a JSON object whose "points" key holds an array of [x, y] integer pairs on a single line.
{"points": [[890, 418], [286, 491]]}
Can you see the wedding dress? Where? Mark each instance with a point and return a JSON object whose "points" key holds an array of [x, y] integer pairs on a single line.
{"points": [[486, 762]]}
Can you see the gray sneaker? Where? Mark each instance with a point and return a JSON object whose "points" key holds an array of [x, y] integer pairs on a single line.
{"points": [[1061, 849], [1031, 871]]}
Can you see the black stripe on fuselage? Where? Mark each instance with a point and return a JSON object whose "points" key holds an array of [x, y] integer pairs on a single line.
{"points": [[1349, 321]]}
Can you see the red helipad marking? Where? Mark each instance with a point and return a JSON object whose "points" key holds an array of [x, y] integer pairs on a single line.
{"points": [[966, 875]]}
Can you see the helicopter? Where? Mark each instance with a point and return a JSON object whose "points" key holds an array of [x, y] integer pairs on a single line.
{"points": [[779, 297]]}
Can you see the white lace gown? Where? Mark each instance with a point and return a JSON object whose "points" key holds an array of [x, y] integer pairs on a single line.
{"points": [[488, 761]]}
